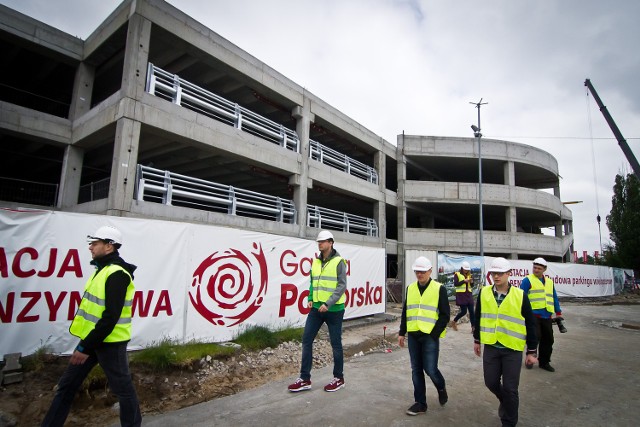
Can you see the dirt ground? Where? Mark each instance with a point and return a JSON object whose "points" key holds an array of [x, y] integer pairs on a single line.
{"points": [[162, 392]]}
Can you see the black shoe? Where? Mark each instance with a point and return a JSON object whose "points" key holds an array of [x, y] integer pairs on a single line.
{"points": [[443, 397], [547, 367], [528, 365], [417, 409]]}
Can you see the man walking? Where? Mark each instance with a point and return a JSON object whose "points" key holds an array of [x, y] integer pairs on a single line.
{"points": [[103, 324], [504, 324], [326, 301], [544, 302], [463, 283], [425, 314]]}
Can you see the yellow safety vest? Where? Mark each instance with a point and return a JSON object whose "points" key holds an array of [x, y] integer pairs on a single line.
{"points": [[541, 294], [422, 310], [325, 279], [503, 324], [462, 286], [93, 304]]}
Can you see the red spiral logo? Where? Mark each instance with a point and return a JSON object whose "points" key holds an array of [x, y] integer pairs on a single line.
{"points": [[229, 287]]}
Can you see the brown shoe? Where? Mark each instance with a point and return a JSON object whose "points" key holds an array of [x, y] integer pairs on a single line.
{"points": [[453, 325]]}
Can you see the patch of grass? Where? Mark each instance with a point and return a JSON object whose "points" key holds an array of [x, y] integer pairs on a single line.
{"points": [[37, 360], [259, 337], [168, 353]]}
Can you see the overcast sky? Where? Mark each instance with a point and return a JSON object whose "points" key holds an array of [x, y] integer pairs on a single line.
{"points": [[414, 66]]}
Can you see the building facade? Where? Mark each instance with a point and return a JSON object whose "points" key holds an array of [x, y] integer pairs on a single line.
{"points": [[156, 116]]}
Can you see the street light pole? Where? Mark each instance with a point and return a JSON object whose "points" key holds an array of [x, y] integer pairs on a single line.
{"points": [[478, 135]]}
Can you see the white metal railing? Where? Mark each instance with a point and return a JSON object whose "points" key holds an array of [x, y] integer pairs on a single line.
{"points": [[335, 220], [173, 88], [337, 160], [174, 189]]}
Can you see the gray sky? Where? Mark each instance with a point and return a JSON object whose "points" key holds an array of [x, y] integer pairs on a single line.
{"points": [[411, 65]]}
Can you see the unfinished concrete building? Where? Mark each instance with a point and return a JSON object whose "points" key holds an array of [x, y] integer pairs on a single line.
{"points": [[154, 115]]}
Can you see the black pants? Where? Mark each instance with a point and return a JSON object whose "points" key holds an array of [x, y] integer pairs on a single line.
{"points": [[501, 368], [544, 331]]}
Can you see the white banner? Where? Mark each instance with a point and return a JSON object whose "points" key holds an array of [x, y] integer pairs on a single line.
{"points": [[193, 282], [570, 280]]}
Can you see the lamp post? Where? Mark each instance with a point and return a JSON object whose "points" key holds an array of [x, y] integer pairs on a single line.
{"points": [[478, 135]]}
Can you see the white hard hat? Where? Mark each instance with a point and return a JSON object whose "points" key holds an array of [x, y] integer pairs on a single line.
{"points": [[324, 235], [499, 265], [106, 233], [421, 264], [540, 261], [465, 266]]}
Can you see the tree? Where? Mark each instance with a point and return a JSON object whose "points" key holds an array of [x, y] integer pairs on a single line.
{"points": [[624, 223]]}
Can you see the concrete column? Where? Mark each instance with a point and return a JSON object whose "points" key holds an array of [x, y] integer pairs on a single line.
{"points": [[82, 91], [558, 227], [301, 183], [509, 174], [510, 214], [511, 220], [123, 168], [402, 207], [71, 175], [379, 208], [136, 57]]}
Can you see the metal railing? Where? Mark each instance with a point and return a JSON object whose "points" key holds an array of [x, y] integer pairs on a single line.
{"points": [[168, 188], [32, 192], [335, 220], [337, 160], [173, 88], [94, 191]]}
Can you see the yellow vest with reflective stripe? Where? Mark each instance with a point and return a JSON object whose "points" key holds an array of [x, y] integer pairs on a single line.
{"points": [[541, 295], [422, 310], [325, 279], [462, 286], [503, 324], [93, 304]]}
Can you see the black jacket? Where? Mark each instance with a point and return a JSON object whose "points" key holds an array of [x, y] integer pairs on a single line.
{"points": [[115, 293]]}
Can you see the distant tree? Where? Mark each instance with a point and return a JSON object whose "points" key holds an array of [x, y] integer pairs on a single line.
{"points": [[624, 223]]}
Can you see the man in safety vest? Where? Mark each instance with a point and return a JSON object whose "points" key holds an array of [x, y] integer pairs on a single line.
{"points": [[544, 302], [463, 283], [425, 314], [504, 323], [103, 324], [326, 302]]}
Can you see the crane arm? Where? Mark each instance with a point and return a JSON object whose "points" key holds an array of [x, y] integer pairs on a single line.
{"points": [[614, 128]]}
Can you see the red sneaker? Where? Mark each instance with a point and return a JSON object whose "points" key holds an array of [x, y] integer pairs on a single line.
{"points": [[300, 385], [335, 385]]}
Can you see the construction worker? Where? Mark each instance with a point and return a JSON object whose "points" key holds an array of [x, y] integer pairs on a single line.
{"points": [[425, 314], [326, 302], [463, 283], [544, 302], [504, 323], [103, 324]]}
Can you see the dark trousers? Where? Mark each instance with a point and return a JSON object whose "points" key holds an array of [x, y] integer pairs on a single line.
{"points": [[315, 319], [113, 360], [463, 311], [544, 331], [502, 377], [424, 351]]}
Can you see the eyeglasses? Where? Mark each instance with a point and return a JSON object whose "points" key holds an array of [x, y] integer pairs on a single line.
{"points": [[421, 272], [498, 273]]}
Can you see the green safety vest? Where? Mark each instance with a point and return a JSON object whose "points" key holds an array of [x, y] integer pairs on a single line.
{"points": [[422, 310], [93, 304], [462, 286], [541, 294], [325, 279], [505, 323]]}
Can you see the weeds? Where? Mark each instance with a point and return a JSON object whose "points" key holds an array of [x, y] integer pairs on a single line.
{"points": [[259, 337]]}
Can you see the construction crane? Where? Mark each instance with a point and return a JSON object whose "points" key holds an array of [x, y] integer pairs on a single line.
{"points": [[614, 128]]}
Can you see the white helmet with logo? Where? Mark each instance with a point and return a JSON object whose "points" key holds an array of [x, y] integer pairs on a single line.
{"points": [[106, 233], [499, 265], [465, 266], [421, 264], [540, 261], [324, 235]]}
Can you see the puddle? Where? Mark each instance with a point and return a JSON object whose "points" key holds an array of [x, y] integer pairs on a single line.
{"points": [[618, 325]]}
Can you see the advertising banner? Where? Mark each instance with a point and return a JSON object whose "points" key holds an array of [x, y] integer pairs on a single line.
{"points": [[193, 282], [448, 264]]}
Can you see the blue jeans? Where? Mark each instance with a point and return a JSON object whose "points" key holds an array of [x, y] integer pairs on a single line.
{"points": [[113, 360], [315, 319], [424, 351]]}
